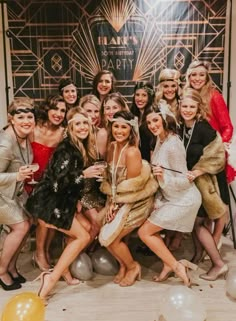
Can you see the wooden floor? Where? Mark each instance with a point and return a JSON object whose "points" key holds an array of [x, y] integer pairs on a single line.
{"points": [[100, 299]]}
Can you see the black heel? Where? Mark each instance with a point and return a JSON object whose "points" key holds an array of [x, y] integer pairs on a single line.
{"points": [[10, 287], [18, 279]]}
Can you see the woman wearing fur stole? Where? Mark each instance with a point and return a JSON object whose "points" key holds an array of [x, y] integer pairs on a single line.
{"points": [[129, 187], [205, 160]]}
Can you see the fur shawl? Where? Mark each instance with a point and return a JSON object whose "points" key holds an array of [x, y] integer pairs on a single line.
{"points": [[134, 189], [212, 162]]}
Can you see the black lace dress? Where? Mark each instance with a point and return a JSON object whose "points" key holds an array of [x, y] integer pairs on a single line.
{"points": [[55, 197]]}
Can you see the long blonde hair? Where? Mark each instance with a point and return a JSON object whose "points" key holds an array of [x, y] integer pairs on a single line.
{"points": [[87, 146], [205, 91], [169, 75]]}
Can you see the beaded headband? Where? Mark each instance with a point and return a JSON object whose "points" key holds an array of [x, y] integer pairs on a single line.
{"points": [[77, 117], [22, 110]]}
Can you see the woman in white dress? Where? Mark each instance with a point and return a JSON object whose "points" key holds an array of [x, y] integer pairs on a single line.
{"points": [[177, 200]]}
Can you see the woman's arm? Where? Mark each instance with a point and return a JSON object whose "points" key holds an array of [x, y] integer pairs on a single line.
{"points": [[221, 120], [133, 162]]}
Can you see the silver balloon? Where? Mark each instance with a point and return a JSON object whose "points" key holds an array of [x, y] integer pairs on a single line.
{"points": [[231, 283], [183, 304], [104, 263], [82, 268]]}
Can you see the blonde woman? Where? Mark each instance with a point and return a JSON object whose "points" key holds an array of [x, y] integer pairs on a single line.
{"points": [[169, 88], [54, 200]]}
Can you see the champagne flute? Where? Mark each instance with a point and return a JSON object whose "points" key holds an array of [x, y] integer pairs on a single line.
{"points": [[34, 168], [103, 165]]}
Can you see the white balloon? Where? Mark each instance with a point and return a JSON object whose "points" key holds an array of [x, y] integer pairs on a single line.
{"points": [[231, 283], [182, 303]]}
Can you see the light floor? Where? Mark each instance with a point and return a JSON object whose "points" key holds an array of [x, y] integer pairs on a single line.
{"points": [[102, 300]]}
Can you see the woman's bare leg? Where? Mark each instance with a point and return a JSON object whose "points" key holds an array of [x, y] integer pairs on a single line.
{"points": [[11, 246], [79, 238]]}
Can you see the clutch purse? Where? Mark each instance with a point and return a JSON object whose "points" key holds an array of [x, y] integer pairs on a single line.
{"points": [[111, 230]]}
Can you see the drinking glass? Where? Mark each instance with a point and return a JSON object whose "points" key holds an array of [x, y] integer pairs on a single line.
{"points": [[103, 165], [34, 168]]}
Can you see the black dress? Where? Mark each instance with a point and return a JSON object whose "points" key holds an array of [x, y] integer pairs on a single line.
{"points": [[195, 140], [55, 197]]}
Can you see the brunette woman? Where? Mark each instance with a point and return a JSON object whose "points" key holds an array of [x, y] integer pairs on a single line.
{"points": [[69, 91], [142, 100], [177, 200], [54, 200], [15, 159], [46, 136], [103, 84], [130, 188]]}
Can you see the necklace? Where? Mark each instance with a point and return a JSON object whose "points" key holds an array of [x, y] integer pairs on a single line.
{"points": [[25, 161], [17, 134], [188, 135], [114, 170]]}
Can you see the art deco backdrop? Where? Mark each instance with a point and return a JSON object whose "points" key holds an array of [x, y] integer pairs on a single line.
{"points": [[134, 39]]}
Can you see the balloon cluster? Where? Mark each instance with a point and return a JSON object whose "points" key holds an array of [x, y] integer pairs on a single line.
{"points": [[101, 261]]}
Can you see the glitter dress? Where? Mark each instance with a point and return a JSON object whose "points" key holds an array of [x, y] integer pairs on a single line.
{"points": [[177, 200]]}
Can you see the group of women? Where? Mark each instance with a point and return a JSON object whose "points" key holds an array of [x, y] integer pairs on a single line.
{"points": [[164, 169]]}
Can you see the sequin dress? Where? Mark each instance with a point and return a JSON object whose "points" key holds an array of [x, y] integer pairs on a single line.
{"points": [[177, 200]]}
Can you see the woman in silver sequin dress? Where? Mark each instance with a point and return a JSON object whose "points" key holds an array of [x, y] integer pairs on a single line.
{"points": [[177, 200]]}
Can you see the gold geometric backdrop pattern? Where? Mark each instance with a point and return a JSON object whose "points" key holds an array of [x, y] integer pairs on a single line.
{"points": [[134, 39]]}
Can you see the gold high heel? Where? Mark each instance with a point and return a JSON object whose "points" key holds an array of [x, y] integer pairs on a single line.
{"points": [[214, 276], [181, 270], [36, 264], [135, 275]]}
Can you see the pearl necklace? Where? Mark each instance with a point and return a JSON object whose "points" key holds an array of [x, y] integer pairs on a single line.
{"points": [[114, 171], [188, 135]]}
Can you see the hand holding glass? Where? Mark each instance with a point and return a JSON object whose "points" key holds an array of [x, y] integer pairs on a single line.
{"points": [[34, 168], [101, 164]]}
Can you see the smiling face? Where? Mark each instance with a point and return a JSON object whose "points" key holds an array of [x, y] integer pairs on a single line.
{"points": [[93, 111], [198, 77], [121, 131], [155, 125], [80, 126], [23, 122], [169, 90], [110, 108], [104, 85], [56, 115], [141, 98], [188, 111], [69, 94]]}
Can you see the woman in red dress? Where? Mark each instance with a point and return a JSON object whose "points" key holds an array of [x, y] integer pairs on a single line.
{"points": [[47, 134]]}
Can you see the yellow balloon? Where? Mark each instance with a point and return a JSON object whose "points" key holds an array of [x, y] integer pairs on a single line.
{"points": [[25, 306]]}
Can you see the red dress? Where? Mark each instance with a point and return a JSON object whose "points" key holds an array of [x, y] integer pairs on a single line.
{"points": [[220, 121], [42, 155]]}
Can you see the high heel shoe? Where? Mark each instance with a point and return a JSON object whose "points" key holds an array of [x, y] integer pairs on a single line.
{"points": [[131, 276], [163, 276], [181, 270], [70, 281], [10, 287], [19, 278], [214, 276], [37, 264], [41, 277]]}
